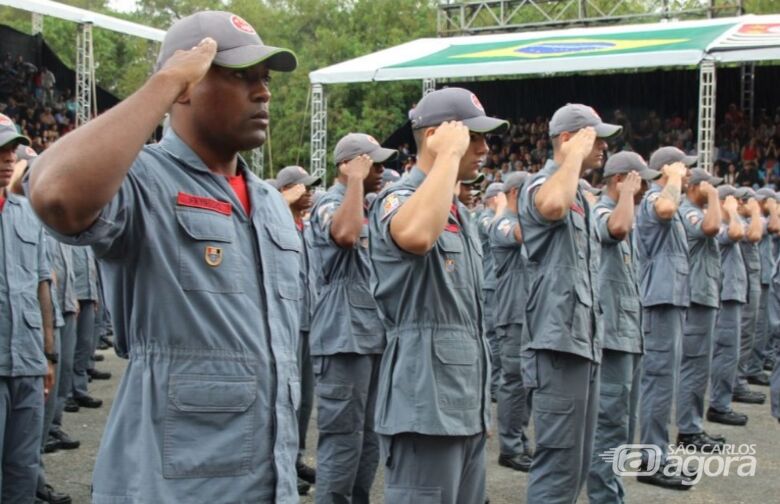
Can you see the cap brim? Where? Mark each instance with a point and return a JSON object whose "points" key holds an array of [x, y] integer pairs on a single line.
{"points": [[689, 160], [606, 130], [716, 181], [650, 174], [312, 181], [275, 58], [382, 155], [10, 136], [485, 124], [476, 180]]}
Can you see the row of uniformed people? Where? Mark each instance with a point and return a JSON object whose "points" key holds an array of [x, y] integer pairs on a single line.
{"points": [[68, 280], [667, 248]]}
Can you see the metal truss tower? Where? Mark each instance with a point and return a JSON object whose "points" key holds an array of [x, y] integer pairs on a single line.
{"points": [[85, 75]]}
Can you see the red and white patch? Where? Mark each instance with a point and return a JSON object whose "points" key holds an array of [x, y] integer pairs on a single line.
{"points": [[476, 102], [239, 24], [5, 120], [372, 139], [30, 151]]}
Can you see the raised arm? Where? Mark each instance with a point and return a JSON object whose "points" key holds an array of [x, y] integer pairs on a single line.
{"points": [[710, 226], [669, 201], [348, 219], [80, 173], [421, 219], [621, 220], [556, 194], [755, 228], [736, 231]]}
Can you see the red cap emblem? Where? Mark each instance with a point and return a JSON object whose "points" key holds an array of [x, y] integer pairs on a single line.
{"points": [[372, 139], [5, 120], [476, 102], [242, 25], [30, 151]]}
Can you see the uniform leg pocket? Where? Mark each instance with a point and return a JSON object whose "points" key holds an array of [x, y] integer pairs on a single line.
{"points": [[529, 369], [336, 412], [613, 404], [209, 426], [412, 495], [554, 420]]}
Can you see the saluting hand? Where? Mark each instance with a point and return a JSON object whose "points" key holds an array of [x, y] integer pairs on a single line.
{"points": [[675, 169], [752, 205], [451, 137], [631, 184], [358, 167], [708, 189], [294, 193], [730, 204], [189, 67], [580, 144]]}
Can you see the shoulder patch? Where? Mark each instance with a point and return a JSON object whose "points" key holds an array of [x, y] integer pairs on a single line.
{"points": [[325, 213], [652, 197], [505, 227], [537, 183], [693, 217], [602, 211], [392, 202]]}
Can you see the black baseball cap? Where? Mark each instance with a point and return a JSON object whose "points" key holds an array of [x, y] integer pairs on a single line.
{"points": [[238, 44]]}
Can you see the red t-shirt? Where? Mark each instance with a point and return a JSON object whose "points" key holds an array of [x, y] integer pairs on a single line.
{"points": [[2, 201], [238, 183]]}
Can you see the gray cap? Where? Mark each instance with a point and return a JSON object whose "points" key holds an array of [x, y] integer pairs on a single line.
{"points": [[494, 189], [238, 45], [699, 175], [25, 153], [575, 116], [293, 175], [670, 155], [476, 180], [515, 180], [625, 162], [764, 193], [726, 190], [390, 175], [356, 144], [455, 104], [585, 186], [9, 133], [742, 192]]}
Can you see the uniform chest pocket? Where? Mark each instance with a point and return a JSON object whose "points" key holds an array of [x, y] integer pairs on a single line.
{"points": [[287, 261], [453, 259], [208, 255], [27, 244]]}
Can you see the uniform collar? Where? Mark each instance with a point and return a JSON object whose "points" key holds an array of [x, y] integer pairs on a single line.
{"points": [[607, 201], [178, 148], [415, 177], [338, 188]]}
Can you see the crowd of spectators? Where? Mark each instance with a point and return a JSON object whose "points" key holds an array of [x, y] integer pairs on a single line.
{"points": [[29, 95]]}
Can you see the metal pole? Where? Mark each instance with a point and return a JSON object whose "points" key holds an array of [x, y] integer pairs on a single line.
{"points": [[706, 114], [747, 78], [319, 132], [428, 86], [37, 23], [85, 71], [256, 162]]}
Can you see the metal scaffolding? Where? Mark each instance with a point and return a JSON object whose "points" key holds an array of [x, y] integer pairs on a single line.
{"points": [[458, 17], [85, 74], [256, 162], [428, 86], [706, 141], [319, 132], [37, 23], [747, 88]]}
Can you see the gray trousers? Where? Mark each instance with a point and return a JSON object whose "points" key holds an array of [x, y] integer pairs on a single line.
{"points": [[663, 330], [565, 394], [749, 322], [759, 352], [513, 406], [307, 391], [697, 342], [422, 469], [618, 402], [85, 347], [50, 405], [774, 380], [490, 334], [21, 423], [725, 356], [348, 447], [65, 366]]}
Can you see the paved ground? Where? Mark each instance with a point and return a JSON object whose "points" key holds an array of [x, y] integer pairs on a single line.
{"points": [[72, 471]]}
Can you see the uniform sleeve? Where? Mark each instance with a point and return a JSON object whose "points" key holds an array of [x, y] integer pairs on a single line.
{"points": [[528, 207], [118, 222], [502, 234], [321, 220], [692, 220], [602, 214], [723, 235], [386, 208], [44, 264], [773, 309], [647, 207]]}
